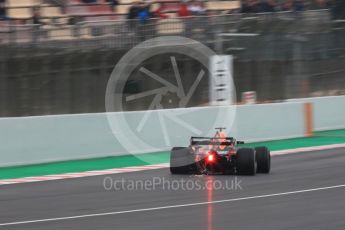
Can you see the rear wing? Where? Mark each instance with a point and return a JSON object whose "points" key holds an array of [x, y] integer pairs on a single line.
{"points": [[214, 141]]}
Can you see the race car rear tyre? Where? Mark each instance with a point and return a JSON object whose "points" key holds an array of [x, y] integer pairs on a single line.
{"points": [[182, 161], [245, 161], [263, 159]]}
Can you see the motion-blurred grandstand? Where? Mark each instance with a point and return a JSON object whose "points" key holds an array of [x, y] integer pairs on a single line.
{"points": [[56, 56], [57, 16]]}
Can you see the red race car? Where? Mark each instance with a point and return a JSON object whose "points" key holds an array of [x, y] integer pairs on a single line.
{"points": [[219, 155]]}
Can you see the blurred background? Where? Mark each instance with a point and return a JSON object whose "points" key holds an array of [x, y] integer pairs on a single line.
{"points": [[56, 56]]}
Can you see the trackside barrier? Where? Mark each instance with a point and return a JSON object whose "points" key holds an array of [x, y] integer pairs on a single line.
{"points": [[32, 140], [329, 112]]}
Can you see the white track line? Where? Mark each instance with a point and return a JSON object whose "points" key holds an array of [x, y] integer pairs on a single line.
{"points": [[145, 167], [307, 149], [173, 206]]}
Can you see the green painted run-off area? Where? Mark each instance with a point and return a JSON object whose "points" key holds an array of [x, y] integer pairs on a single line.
{"points": [[319, 139]]}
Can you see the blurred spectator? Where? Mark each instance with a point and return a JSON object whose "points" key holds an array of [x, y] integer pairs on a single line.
{"points": [[158, 13], [133, 10], [294, 5], [133, 14], [3, 13], [245, 6], [267, 6], [144, 28], [196, 8], [37, 21], [288, 5], [258, 6], [183, 10], [36, 18], [143, 13], [113, 4], [250, 6], [298, 5]]}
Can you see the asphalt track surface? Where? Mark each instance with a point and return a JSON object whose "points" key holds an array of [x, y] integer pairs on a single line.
{"points": [[310, 209]]}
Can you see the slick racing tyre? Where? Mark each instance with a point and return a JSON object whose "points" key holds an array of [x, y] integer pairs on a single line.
{"points": [[181, 161], [245, 161], [263, 159]]}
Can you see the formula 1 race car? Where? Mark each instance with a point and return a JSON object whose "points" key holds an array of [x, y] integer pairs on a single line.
{"points": [[219, 155]]}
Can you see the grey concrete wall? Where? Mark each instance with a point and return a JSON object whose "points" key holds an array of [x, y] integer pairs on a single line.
{"points": [[30, 140], [329, 112]]}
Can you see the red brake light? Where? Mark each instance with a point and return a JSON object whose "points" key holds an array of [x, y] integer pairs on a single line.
{"points": [[210, 158]]}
